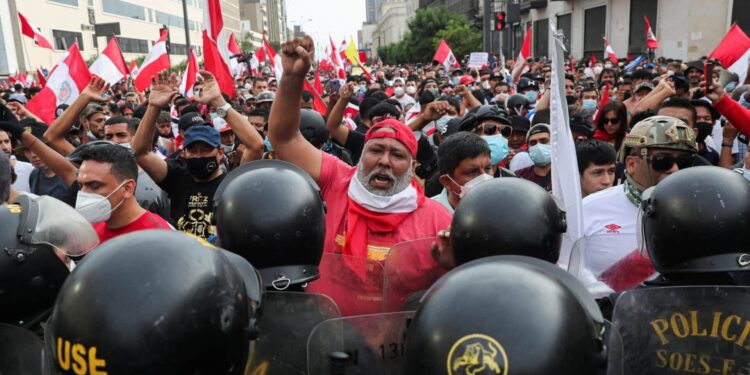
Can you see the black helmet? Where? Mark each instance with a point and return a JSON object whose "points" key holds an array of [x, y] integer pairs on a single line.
{"points": [[35, 236], [507, 216], [516, 103], [495, 312], [271, 213], [155, 302], [313, 127], [697, 220], [481, 113]]}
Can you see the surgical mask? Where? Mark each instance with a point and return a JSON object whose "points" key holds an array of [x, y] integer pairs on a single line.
{"points": [[608, 66], [597, 70], [442, 123], [411, 90], [434, 92], [248, 86], [540, 154], [202, 168], [498, 147], [398, 91], [362, 88], [214, 116], [96, 208], [730, 86], [471, 185], [588, 105], [126, 145], [227, 148], [485, 85], [531, 95]]}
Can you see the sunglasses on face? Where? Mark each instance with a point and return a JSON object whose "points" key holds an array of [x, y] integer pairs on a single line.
{"points": [[663, 162], [611, 120], [491, 129]]}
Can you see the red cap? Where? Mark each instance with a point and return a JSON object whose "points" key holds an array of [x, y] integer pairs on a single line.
{"points": [[466, 80], [400, 132]]}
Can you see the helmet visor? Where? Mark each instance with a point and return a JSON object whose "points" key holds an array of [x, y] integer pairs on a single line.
{"points": [[60, 226]]}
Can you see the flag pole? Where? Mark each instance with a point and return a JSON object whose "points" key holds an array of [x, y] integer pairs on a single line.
{"points": [[26, 53]]}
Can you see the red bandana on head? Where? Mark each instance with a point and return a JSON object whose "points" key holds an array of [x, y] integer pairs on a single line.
{"points": [[367, 212]]}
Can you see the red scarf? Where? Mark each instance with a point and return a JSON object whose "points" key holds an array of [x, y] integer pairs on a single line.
{"points": [[360, 220], [602, 135]]}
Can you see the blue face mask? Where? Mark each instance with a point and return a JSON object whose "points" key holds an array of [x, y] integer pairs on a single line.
{"points": [[456, 80], [267, 143], [214, 116], [588, 105], [730, 86], [498, 147], [540, 154], [531, 95]]}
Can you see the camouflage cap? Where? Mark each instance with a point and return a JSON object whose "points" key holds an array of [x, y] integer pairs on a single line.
{"points": [[659, 132]]}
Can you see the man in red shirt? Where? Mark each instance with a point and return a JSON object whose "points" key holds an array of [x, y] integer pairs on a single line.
{"points": [[106, 198], [371, 206]]}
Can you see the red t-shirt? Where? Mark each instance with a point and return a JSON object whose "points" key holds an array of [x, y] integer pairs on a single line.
{"points": [[148, 220], [335, 176]]}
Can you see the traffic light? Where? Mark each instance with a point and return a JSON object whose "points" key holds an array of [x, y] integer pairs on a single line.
{"points": [[500, 21]]}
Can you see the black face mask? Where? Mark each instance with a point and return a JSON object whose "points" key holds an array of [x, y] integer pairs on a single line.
{"points": [[627, 95], [704, 130], [570, 99], [202, 168]]}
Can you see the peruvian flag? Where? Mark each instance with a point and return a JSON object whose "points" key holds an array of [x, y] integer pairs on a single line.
{"points": [[316, 83], [18, 78], [64, 84], [609, 53], [156, 61], [190, 76], [603, 101], [234, 65], [733, 52], [524, 54], [260, 53], [350, 112], [216, 47], [255, 62], [133, 68], [651, 41], [593, 61], [31, 31], [444, 55], [41, 77], [110, 65], [318, 103], [337, 63], [274, 58]]}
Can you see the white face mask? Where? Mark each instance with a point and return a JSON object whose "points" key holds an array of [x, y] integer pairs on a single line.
{"points": [[469, 186], [411, 90], [398, 91], [96, 208], [485, 85]]}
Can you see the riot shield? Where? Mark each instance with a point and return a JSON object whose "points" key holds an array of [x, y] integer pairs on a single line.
{"points": [[354, 283], [370, 344], [685, 330], [286, 322], [21, 351], [409, 269], [610, 262]]}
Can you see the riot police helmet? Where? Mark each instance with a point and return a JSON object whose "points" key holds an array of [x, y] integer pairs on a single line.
{"points": [[271, 213], [482, 113], [155, 302], [507, 216]]}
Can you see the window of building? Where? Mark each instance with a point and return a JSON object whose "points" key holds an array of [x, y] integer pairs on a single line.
{"points": [[594, 22], [564, 24], [518, 34], [91, 3], [131, 45], [541, 37], [66, 2], [169, 19], [65, 39], [637, 37], [123, 8], [177, 49]]}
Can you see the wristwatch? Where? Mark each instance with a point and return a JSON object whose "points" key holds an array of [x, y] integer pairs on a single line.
{"points": [[223, 110], [726, 144]]}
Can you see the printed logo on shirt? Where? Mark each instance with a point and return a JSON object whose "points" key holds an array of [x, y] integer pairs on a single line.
{"points": [[613, 228], [197, 219]]}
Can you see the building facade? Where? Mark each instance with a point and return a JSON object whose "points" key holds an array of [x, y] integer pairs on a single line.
{"points": [[64, 22], [256, 13], [277, 28], [685, 29], [392, 23], [372, 9]]}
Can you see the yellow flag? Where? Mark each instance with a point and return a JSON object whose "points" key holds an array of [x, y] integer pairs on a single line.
{"points": [[352, 53]]}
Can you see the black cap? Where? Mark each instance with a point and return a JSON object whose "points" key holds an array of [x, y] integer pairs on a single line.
{"points": [[189, 119], [520, 124]]}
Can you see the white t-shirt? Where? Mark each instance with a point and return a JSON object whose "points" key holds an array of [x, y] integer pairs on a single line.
{"points": [[23, 172], [609, 226]]}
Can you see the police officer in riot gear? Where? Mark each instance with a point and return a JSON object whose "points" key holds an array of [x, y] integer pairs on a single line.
{"points": [[271, 213], [512, 332], [155, 302]]}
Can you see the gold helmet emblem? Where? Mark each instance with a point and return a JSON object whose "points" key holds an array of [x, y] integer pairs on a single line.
{"points": [[477, 354]]}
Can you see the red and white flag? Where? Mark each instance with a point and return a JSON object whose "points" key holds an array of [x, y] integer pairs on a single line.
{"points": [[234, 65], [444, 55], [216, 47], [18, 78], [609, 53], [156, 61], [523, 55], [32, 31], [190, 76], [318, 103], [734, 52], [41, 77], [255, 62], [350, 112], [316, 83], [110, 65], [274, 58], [64, 84], [651, 41], [338, 65]]}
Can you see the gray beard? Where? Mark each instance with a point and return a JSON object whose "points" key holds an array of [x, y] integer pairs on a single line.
{"points": [[398, 185]]}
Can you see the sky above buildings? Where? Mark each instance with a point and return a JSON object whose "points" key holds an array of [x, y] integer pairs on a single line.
{"points": [[320, 18]]}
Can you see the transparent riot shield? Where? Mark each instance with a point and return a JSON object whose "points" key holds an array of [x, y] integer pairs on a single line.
{"points": [[609, 263], [286, 322], [354, 283], [685, 330], [367, 344], [409, 269], [614, 349], [21, 351]]}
